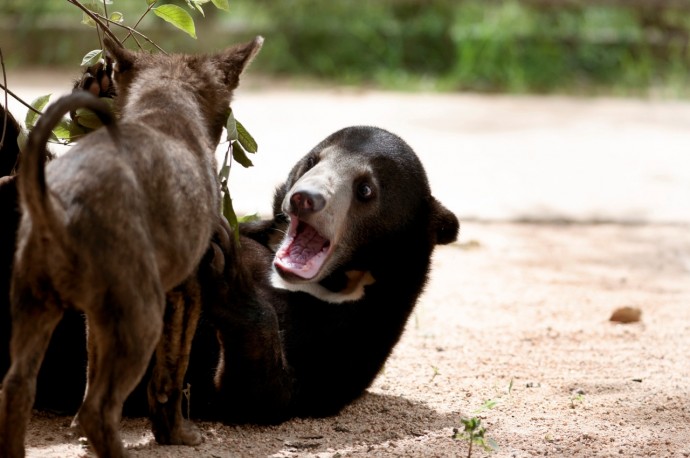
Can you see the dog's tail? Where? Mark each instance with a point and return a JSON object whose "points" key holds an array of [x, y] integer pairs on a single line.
{"points": [[32, 183]]}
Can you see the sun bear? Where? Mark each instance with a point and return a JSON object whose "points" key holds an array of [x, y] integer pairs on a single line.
{"points": [[301, 313], [310, 304]]}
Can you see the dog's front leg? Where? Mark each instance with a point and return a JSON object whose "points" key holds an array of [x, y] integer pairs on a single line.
{"points": [[183, 306]]}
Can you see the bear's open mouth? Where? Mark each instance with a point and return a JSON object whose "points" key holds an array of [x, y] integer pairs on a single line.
{"points": [[303, 251]]}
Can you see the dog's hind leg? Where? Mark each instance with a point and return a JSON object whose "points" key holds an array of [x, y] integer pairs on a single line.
{"points": [[171, 360], [33, 322], [91, 369], [124, 330]]}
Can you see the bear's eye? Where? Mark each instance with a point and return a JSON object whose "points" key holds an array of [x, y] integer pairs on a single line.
{"points": [[364, 191]]}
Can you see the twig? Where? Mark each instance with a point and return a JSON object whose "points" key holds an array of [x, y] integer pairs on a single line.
{"points": [[96, 19], [100, 39], [132, 31], [136, 41], [98, 30], [150, 7], [18, 99]]}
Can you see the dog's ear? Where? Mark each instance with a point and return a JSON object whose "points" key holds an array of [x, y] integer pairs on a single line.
{"points": [[235, 59], [444, 224], [124, 58]]}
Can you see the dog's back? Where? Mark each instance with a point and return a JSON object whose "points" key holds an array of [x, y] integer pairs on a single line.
{"points": [[119, 203]]}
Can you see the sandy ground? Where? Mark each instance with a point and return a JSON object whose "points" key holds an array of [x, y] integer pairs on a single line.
{"points": [[515, 313]]}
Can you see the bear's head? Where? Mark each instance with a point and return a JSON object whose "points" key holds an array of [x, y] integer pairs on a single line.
{"points": [[359, 209]]}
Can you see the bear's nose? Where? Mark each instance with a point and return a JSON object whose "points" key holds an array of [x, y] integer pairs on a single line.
{"points": [[306, 202]]}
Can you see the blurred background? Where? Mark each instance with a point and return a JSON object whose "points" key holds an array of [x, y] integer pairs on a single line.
{"points": [[574, 46], [557, 110]]}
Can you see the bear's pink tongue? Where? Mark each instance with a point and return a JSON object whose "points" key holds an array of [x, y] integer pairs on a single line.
{"points": [[303, 252]]}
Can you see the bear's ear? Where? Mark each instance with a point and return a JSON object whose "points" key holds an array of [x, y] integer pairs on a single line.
{"points": [[444, 224]]}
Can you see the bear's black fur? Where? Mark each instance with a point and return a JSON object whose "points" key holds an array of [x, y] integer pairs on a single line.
{"points": [[288, 353], [9, 217], [68, 356], [275, 342]]}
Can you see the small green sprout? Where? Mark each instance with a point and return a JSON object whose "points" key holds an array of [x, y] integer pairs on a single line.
{"points": [[474, 433], [436, 372]]}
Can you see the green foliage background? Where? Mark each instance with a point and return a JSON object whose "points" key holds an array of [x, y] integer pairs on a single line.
{"points": [[544, 46]]}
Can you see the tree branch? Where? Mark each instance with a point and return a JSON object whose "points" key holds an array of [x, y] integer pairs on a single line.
{"points": [[18, 99], [149, 8], [132, 31], [96, 19]]}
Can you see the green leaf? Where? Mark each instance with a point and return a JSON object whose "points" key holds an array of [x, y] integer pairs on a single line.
{"points": [[246, 139], [471, 424], [231, 127], [177, 17], [150, 2], [63, 131], [66, 131], [229, 212], [116, 16], [224, 173], [197, 4], [248, 218], [239, 155], [488, 405], [88, 119], [31, 117], [86, 20], [221, 4], [22, 139], [91, 57]]}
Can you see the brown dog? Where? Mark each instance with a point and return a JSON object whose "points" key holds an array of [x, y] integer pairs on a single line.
{"points": [[124, 217]]}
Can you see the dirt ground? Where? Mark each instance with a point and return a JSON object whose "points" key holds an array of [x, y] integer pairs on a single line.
{"points": [[517, 314]]}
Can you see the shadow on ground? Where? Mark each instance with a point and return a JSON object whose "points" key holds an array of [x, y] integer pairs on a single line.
{"points": [[373, 421]]}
